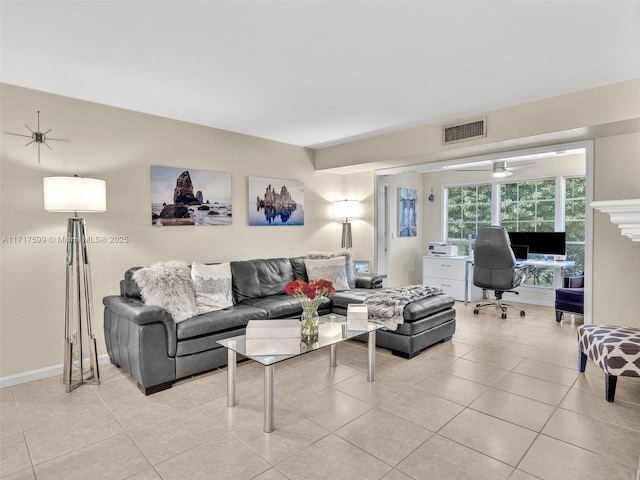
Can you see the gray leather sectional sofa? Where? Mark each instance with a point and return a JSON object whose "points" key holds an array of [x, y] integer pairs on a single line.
{"points": [[155, 350]]}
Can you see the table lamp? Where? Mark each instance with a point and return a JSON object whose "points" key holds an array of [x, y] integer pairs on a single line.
{"points": [[77, 194], [346, 209]]}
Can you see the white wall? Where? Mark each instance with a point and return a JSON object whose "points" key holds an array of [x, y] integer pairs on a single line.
{"points": [[405, 253], [119, 146]]}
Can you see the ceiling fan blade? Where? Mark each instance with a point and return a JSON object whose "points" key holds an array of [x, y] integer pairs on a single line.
{"points": [[524, 165], [17, 134], [474, 169]]}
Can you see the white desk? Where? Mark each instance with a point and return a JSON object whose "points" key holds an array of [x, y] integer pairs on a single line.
{"points": [[557, 267]]}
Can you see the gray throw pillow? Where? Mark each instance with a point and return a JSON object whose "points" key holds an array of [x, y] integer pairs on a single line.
{"points": [[168, 285], [346, 253]]}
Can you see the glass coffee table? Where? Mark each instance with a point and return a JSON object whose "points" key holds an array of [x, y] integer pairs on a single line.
{"points": [[331, 332]]}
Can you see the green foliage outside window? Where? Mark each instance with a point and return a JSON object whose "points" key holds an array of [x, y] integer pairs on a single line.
{"points": [[468, 209], [575, 214], [528, 206]]}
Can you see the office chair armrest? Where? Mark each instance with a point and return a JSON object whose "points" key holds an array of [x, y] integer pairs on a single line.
{"points": [[519, 274]]}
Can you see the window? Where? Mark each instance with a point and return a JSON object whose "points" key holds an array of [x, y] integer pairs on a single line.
{"points": [[541, 205], [528, 206], [468, 209], [575, 199]]}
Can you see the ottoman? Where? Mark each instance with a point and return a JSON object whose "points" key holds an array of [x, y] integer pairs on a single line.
{"points": [[614, 349]]}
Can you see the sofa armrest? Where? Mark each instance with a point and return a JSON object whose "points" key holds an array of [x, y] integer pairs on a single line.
{"points": [[369, 280], [140, 314]]}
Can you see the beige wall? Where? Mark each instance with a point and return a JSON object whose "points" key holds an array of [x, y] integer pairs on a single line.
{"points": [[608, 115], [616, 259], [119, 146], [576, 116]]}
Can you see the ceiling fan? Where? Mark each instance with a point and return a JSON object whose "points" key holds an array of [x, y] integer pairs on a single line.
{"points": [[499, 168]]}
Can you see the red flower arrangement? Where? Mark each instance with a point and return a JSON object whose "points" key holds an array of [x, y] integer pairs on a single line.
{"points": [[310, 294]]}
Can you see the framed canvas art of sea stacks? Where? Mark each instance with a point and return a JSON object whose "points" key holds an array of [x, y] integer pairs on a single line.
{"points": [[275, 202], [190, 197]]}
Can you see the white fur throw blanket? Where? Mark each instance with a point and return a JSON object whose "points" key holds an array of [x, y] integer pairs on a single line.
{"points": [[387, 306]]}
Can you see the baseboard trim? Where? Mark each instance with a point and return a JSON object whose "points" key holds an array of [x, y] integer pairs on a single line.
{"points": [[42, 373]]}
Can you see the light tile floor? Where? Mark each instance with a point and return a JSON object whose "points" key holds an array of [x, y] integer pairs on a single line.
{"points": [[502, 400]]}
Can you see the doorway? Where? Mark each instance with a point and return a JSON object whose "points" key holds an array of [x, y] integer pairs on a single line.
{"points": [[432, 222]]}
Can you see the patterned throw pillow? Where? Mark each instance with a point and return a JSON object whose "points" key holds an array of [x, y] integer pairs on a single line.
{"points": [[213, 286], [168, 285], [344, 252], [332, 269]]}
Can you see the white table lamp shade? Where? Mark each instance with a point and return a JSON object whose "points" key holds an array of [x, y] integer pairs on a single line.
{"points": [[346, 209], [74, 194]]}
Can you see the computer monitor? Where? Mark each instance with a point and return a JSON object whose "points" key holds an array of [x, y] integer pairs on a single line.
{"points": [[521, 252], [545, 243]]}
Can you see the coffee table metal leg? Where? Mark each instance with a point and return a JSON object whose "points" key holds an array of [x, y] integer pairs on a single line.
{"points": [[268, 398], [332, 355], [371, 347], [231, 378]]}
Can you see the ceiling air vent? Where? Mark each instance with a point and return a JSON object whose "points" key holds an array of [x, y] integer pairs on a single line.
{"points": [[460, 132]]}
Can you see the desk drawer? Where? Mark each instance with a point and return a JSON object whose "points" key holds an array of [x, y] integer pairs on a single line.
{"points": [[453, 288], [442, 267]]}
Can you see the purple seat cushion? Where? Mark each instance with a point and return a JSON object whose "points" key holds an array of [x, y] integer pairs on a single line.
{"points": [[570, 300]]}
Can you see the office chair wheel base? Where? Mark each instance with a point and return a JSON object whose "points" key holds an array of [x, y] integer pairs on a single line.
{"points": [[503, 316], [522, 313], [476, 311]]}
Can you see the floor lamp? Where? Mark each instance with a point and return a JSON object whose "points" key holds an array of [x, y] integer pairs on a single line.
{"points": [[77, 194], [346, 209]]}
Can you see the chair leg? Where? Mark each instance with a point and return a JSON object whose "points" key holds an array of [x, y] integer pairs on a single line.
{"points": [[582, 361], [559, 315], [610, 386]]}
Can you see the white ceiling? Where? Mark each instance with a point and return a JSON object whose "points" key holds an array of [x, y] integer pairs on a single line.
{"points": [[317, 73]]}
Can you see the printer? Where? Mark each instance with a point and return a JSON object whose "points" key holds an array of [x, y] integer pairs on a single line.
{"points": [[442, 249]]}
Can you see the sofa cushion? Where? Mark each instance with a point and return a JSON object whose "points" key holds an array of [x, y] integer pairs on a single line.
{"points": [[213, 286], [413, 311], [218, 321], [281, 306], [428, 306], [260, 278], [299, 270], [332, 269], [357, 295], [168, 285]]}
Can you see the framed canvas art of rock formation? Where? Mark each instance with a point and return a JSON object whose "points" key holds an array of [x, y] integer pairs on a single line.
{"points": [[182, 196], [275, 202]]}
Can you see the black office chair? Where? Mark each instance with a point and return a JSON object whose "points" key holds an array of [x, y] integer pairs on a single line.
{"points": [[495, 267]]}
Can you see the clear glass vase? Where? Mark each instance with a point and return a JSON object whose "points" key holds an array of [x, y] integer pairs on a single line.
{"points": [[309, 326]]}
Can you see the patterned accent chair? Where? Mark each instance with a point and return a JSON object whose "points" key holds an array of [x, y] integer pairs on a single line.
{"points": [[616, 350]]}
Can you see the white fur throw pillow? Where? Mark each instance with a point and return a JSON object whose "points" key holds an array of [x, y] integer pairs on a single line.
{"points": [[168, 285], [350, 270], [213, 286], [332, 269]]}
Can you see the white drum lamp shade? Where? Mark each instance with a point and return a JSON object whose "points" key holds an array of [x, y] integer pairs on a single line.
{"points": [[74, 194], [346, 209]]}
